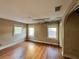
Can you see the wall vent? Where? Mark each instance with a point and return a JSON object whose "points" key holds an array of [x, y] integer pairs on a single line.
{"points": [[58, 8]]}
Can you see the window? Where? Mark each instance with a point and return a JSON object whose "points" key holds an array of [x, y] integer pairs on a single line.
{"points": [[17, 30], [52, 32], [31, 32]]}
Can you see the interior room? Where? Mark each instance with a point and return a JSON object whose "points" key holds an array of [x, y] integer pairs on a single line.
{"points": [[39, 29]]}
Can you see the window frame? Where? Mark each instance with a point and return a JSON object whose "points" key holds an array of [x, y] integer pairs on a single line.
{"points": [[54, 25], [20, 30], [31, 26], [51, 36]]}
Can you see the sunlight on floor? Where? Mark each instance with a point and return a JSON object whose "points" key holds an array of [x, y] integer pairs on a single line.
{"points": [[31, 48], [18, 53]]}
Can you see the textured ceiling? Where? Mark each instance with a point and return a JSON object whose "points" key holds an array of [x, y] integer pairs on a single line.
{"points": [[27, 10]]}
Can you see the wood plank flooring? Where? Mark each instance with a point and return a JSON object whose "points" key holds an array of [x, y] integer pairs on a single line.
{"points": [[30, 50]]}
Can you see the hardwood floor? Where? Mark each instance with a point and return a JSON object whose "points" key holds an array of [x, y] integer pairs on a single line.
{"points": [[29, 50]]}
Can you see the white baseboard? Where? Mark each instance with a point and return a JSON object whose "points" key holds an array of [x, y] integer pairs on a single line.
{"points": [[45, 42], [11, 44], [69, 56]]}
